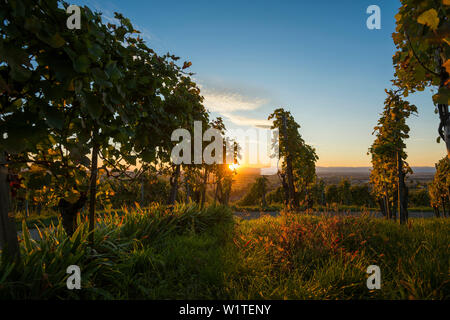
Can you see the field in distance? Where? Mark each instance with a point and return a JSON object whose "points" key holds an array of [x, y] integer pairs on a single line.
{"points": [[331, 175]]}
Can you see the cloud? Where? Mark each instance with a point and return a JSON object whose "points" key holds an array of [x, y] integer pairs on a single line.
{"points": [[246, 121], [232, 102], [222, 101]]}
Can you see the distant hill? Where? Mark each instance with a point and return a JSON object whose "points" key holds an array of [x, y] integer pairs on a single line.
{"points": [[343, 169], [424, 169], [367, 169], [339, 170]]}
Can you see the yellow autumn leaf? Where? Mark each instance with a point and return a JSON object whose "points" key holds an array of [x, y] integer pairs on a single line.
{"points": [[429, 18], [446, 65], [446, 2], [72, 197]]}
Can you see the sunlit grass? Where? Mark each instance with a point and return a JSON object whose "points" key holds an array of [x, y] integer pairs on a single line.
{"points": [[188, 253], [317, 257]]}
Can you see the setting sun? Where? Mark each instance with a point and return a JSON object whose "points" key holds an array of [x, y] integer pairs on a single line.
{"points": [[233, 166]]}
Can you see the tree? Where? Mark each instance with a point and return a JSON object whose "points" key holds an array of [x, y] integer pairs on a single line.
{"points": [[67, 95], [332, 194], [256, 194], [419, 198], [212, 169], [224, 173], [349, 194], [8, 233], [184, 107], [361, 195], [276, 196], [38, 64], [318, 192], [388, 156], [423, 51], [345, 195], [435, 198], [298, 172], [439, 188]]}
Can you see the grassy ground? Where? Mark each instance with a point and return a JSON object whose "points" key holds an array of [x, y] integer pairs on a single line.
{"points": [[310, 257], [191, 254], [51, 216], [328, 208]]}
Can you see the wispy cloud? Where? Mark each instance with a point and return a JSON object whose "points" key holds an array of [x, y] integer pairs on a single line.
{"points": [[247, 121], [230, 100], [221, 102]]}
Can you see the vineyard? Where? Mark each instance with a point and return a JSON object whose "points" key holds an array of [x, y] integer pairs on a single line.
{"points": [[95, 173]]}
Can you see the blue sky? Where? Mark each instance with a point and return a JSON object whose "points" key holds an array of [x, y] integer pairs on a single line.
{"points": [[314, 58]]}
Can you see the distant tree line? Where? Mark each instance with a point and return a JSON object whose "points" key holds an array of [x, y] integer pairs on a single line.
{"points": [[343, 193]]}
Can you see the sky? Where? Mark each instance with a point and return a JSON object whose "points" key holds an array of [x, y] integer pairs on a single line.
{"points": [[316, 59]]}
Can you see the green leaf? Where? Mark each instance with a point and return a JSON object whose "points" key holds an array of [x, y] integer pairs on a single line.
{"points": [[54, 118], [148, 156], [101, 78], [95, 50], [26, 236], [81, 64], [18, 8], [78, 155], [32, 24], [56, 41], [93, 105], [112, 71], [20, 73], [14, 145], [442, 97]]}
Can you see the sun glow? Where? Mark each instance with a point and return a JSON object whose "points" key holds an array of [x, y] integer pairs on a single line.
{"points": [[233, 166]]}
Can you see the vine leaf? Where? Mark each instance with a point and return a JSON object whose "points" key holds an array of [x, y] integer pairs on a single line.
{"points": [[54, 119], [81, 64], [429, 18], [57, 41], [442, 97], [187, 64], [446, 65]]}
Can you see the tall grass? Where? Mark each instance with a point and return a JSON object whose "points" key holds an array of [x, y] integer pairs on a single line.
{"points": [[320, 257], [126, 245], [187, 253]]}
